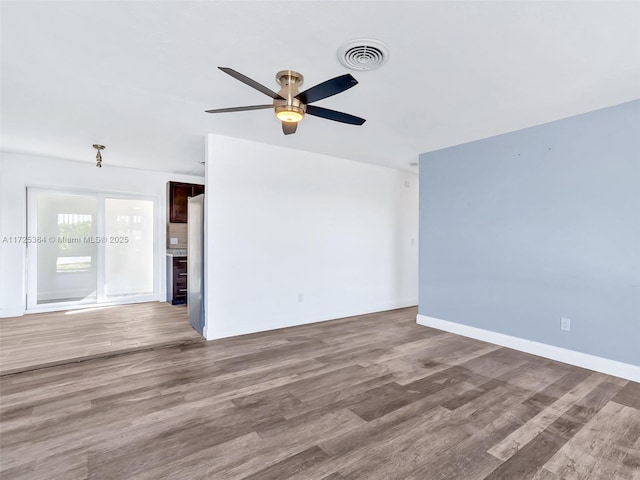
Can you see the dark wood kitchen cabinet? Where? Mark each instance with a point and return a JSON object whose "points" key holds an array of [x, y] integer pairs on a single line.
{"points": [[178, 280], [178, 193]]}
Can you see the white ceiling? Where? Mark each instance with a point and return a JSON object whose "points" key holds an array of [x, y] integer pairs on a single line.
{"points": [[138, 75]]}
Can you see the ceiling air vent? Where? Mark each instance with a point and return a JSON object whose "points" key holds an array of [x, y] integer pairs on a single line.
{"points": [[363, 54]]}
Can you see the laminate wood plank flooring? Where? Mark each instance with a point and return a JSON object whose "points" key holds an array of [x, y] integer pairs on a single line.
{"points": [[368, 397], [44, 339]]}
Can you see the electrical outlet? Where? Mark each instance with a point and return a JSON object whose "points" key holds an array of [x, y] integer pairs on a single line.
{"points": [[173, 241], [565, 324], [300, 297]]}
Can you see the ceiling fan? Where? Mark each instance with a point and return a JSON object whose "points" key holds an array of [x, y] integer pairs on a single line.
{"points": [[290, 105]]}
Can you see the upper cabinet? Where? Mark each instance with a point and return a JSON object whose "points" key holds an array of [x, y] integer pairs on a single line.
{"points": [[178, 193]]}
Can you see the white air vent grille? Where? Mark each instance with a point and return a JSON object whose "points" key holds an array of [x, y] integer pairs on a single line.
{"points": [[363, 54]]}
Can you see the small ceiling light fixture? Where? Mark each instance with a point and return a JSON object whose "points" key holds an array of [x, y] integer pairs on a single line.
{"points": [[99, 155]]}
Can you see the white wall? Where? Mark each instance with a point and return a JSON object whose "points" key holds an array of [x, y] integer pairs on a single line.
{"points": [[295, 237], [19, 171]]}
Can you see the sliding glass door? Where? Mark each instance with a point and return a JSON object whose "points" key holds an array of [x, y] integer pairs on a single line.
{"points": [[89, 248], [128, 252], [65, 265]]}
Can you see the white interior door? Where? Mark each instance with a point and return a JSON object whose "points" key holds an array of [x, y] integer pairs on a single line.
{"points": [[89, 248]]}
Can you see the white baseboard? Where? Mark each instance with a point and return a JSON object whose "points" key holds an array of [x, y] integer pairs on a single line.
{"points": [[579, 359], [214, 332], [385, 306]]}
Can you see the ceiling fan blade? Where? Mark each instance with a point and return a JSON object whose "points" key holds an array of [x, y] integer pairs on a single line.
{"points": [[328, 88], [239, 109], [289, 127], [248, 81], [334, 115]]}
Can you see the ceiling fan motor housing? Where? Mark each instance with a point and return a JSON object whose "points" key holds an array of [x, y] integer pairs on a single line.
{"points": [[289, 106]]}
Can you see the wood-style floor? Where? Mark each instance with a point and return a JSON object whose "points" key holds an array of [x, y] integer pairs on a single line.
{"points": [[44, 339], [369, 397]]}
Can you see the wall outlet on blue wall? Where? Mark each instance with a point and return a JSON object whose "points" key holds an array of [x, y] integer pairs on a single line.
{"points": [[565, 324]]}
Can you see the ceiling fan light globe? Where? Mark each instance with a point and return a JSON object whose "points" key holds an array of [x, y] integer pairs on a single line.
{"points": [[289, 113], [288, 116]]}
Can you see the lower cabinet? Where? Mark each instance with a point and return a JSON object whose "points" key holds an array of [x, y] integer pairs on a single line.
{"points": [[177, 280]]}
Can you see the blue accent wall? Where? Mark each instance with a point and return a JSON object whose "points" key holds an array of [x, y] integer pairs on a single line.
{"points": [[521, 229]]}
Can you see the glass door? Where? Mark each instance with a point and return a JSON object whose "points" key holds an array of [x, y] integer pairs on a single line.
{"points": [[89, 248], [63, 261], [128, 257]]}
